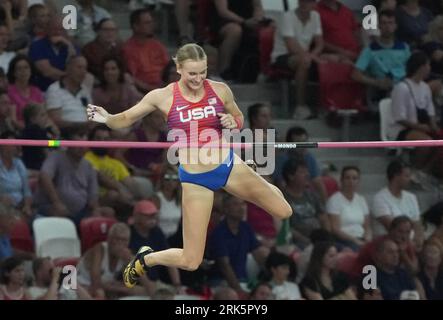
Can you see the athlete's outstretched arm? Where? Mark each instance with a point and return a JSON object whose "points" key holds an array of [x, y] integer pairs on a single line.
{"points": [[126, 118], [233, 118]]}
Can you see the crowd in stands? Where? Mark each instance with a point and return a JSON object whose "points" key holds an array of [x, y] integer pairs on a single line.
{"points": [[48, 75]]}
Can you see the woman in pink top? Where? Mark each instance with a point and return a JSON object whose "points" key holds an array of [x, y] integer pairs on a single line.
{"points": [[20, 91], [115, 91]]}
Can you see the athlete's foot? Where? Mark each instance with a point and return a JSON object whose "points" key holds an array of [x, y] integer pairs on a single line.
{"points": [[136, 268], [251, 164]]}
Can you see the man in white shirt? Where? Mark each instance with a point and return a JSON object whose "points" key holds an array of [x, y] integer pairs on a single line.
{"points": [[296, 32], [5, 56], [67, 99], [393, 201]]}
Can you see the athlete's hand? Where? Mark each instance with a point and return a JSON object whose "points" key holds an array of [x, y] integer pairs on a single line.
{"points": [[97, 114], [227, 121]]}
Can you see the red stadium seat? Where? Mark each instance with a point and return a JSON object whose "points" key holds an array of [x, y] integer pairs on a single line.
{"points": [[337, 90], [21, 237], [94, 230], [266, 44], [71, 261], [346, 260]]}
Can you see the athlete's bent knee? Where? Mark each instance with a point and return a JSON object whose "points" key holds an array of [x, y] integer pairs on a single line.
{"points": [[192, 264], [286, 211]]}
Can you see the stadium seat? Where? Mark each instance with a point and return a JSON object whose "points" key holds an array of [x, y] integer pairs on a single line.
{"points": [[346, 260], [56, 237], [266, 44], [94, 230], [21, 237], [71, 261], [337, 90]]}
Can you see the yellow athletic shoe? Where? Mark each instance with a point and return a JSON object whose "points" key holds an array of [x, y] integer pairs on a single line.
{"points": [[136, 268]]}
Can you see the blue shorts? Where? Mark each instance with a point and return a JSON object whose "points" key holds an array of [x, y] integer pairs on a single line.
{"points": [[214, 179]]}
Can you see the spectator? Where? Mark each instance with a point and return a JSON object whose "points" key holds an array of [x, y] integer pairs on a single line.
{"points": [[385, 4], [348, 211], [299, 134], [3, 80], [436, 7], [413, 21], [107, 43], [400, 232], [309, 213], [8, 219], [39, 18], [169, 194], [298, 44], [18, 9], [88, 16], [393, 201], [145, 232], [147, 162], [38, 126], [262, 223], [232, 21], [391, 278], [434, 216], [413, 111], [14, 178], [322, 280], [47, 283], [341, 32], [225, 293], [13, 280], [5, 56], [68, 184], [8, 121], [100, 267], [50, 54], [282, 289], [383, 62], [146, 56], [433, 46], [318, 235], [431, 274], [114, 91], [170, 74], [118, 187], [230, 243], [67, 98], [20, 90], [261, 291]]}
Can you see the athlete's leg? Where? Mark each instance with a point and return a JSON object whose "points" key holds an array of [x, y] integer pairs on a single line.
{"points": [[246, 184], [197, 206]]}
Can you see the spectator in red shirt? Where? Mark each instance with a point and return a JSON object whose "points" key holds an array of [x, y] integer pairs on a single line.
{"points": [[399, 232], [340, 30], [146, 57]]}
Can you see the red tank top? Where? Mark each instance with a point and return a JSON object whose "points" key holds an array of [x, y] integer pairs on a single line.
{"points": [[191, 118]]}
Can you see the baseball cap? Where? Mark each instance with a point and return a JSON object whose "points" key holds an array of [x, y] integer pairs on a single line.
{"points": [[146, 207]]}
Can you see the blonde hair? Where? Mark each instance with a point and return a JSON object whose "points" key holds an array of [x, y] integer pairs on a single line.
{"points": [[433, 29], [189, 51]]}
